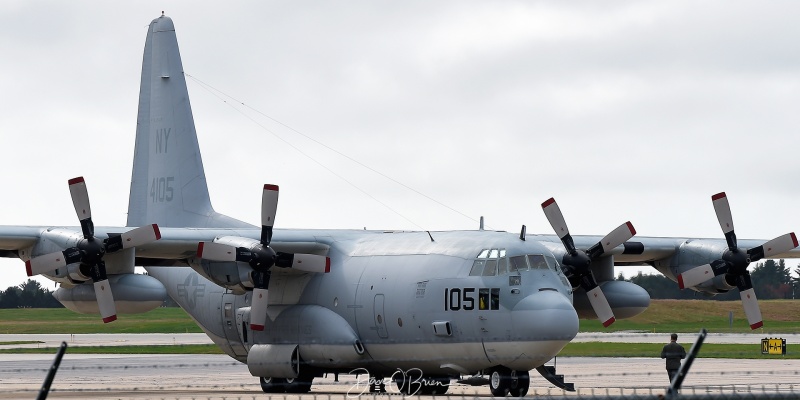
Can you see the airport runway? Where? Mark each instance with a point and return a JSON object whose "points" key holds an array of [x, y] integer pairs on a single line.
{"points": [[150, 339], [218, 376]]}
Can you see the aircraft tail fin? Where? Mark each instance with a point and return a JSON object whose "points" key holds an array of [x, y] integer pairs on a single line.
{"points": [[168, 184]]}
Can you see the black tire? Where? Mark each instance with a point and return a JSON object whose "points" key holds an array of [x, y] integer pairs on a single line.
{"points": [[520, 385], [499, 381], [300, 384], [273, 385], [407, 386]]}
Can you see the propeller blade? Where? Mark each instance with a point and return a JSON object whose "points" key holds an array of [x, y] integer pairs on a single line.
{"points": [[555, 217], [779, 245], [216, 251], [139, 236], [258, 309], [80, 200], [305, 262], [617, 237], [269, 207], [751, 309], [50, 262], [601, 306], [45, 263], [725, 218], [695, 276], [105, 300], [133, 238]]}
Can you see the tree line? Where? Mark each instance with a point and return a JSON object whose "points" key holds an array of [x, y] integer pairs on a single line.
{"points": [[30, 294], [772, 279]]}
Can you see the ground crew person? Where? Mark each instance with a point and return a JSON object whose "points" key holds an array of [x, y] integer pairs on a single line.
{"points": [[673, 353]]}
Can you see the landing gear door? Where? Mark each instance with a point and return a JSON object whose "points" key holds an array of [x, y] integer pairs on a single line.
{"points": [[243, 324], [229, 325]]}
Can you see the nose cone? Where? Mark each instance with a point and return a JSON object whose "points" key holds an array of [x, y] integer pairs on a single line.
{"points": [[545, 316]]}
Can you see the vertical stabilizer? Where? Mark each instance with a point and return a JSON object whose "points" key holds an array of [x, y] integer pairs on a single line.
{"points": [[168, 186]]}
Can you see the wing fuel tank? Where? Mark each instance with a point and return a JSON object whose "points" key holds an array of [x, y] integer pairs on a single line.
{"points": [[133, 294], [626, 299]]}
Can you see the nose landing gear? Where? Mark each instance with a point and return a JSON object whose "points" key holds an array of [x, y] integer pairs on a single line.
{"points": [[504, 381]]}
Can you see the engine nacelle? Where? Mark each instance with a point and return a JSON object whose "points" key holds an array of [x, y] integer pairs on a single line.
{"points": [[626, 299], [694, 253], [133, 294], [230, 275]]}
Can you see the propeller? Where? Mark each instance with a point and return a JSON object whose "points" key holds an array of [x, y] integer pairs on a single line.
{"points": [[735, 261], [90, 250], [577, 262], [262, 258]]}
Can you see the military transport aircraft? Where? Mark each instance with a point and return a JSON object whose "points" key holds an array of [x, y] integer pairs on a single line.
{"points": [[418, 308]]}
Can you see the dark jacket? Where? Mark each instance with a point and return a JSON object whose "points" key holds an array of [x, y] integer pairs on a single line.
{"points": [[673, 352]]}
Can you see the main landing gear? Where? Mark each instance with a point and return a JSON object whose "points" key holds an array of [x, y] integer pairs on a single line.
{"points": [[504, 381], [301, 384]]}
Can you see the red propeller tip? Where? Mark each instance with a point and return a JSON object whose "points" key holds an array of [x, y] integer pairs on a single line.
{"points": [[110, 319], [76, 180], [757, 325], [680, 282], [200, 249], [257, 327], [28, 268], [718, 196], [271, 187], [609, 322], [794, 239], [548, 202], [157, 231], [630, 226]]}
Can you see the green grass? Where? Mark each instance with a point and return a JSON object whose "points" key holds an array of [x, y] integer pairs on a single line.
{"points": [[20, 342], [666, 316], [708, 350], [61, 320]]}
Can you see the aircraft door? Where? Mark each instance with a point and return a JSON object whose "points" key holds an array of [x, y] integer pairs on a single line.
{"points": [[380, 316], [229, 325]]}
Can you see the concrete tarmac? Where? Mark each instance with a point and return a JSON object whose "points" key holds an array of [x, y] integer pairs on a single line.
{"points": [[218, 376], [153, 339]]}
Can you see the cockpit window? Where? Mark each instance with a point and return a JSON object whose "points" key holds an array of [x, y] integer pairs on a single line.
{"points": [[537, 261], [490, 262], [502, 264], [491, 268], [517, 263], [477, 268], [553, 264]]}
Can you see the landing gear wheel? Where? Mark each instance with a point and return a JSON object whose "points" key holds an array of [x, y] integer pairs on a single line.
{"points": [[520, 385], [273, 385], [301, 384], [436, 385], [500, 381]]}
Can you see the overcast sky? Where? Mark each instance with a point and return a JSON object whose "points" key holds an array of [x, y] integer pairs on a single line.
{"points": [[626, 110]]}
